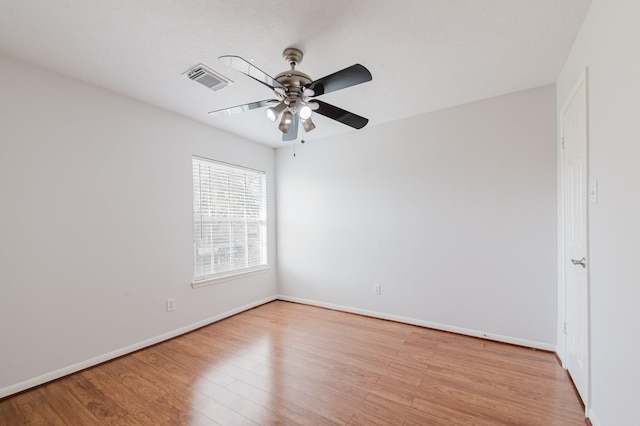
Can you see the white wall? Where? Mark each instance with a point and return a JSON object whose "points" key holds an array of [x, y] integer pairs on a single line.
{"points": [[96, 224], [453, 213], [609, 45]]}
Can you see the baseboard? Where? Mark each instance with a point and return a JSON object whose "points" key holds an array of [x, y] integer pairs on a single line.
{"points": [[560, 362], [459, 330], [593, 419], [36, 381]]}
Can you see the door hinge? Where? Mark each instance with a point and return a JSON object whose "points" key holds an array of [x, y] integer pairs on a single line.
{"points": [[565, 327], [563, 142]]}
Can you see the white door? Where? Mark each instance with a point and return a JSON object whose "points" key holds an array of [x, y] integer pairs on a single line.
{"points": [[574, 133]]}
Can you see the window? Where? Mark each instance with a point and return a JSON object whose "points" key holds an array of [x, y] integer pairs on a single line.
{"points": [[230, 219]]}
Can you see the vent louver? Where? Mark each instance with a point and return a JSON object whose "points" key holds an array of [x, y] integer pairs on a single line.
{"points": [[208, 77]]}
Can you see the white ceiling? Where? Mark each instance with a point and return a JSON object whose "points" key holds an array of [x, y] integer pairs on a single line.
{"points": [[424, 55]]}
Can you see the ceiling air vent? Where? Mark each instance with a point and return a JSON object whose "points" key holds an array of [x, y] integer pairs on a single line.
{"points": [[208, 77]]}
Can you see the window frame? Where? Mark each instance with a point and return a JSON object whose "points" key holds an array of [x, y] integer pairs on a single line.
{"points": [[200, 219]]}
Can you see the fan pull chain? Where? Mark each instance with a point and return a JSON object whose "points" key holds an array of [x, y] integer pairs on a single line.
{"points": [[301, 141]]}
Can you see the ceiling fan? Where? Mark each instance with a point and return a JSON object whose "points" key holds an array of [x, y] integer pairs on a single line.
{"points": [[293, 90]]}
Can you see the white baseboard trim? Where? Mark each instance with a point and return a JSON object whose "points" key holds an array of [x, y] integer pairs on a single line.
{"points": [[427, 324], [560, 356], [593, 418], [36, 381]]}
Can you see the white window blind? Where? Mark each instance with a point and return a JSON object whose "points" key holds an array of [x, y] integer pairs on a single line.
{"points": [[230, 219]]}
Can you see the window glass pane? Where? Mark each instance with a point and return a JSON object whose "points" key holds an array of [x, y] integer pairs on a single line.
{"points": [[229, 206]]}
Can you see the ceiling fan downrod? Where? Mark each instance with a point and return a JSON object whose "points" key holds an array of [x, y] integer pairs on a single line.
{"points": [[293, 56]]}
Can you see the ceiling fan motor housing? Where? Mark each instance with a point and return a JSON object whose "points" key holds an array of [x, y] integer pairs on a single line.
{"points": [[293, 80]]}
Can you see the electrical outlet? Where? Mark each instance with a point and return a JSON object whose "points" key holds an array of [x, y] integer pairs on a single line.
{"points": [[376, 289], [171, 304]]}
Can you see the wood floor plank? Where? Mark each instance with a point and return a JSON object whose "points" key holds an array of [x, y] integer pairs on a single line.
{"points": [[518, 388], [132, 380], [65, 405], [9, 412], [323, 403], [465, 371], [410, 413], [497, 410], [222, 414], [36, 409], [128, 420], [379, 414], [94, 399], [159, 378], [185, 374], [360, 421], [283, 407], [291, 364], [291, 371], [446, 415], [316, 380], [143, 411], [253, 411]]}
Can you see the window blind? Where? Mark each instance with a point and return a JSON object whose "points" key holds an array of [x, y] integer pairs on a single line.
{"points": [[230, 219]]}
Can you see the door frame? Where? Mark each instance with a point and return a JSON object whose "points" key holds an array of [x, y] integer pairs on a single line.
{"points": [[562, 265]]}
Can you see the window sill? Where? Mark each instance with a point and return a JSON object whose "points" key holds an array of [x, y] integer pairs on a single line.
{"points": [[216, 280]]}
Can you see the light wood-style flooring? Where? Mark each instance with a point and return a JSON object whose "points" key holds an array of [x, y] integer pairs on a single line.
{"points": [[291, 364]]}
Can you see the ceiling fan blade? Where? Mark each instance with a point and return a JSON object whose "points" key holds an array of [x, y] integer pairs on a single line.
{"points": [[355, 74], [247, 68], [241, 108], [292, 134], [339, 114]]}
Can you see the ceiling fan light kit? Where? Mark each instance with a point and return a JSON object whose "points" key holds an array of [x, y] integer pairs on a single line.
{"points": [[274, 112], [307, 125], [293, 90], [285, 123]]}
